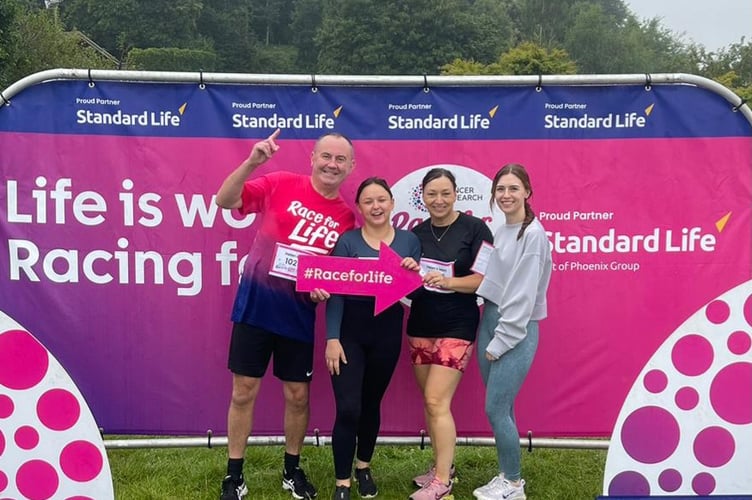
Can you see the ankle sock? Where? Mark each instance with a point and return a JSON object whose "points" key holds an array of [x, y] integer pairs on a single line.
{"points": [[235, 468], [291, 462]]}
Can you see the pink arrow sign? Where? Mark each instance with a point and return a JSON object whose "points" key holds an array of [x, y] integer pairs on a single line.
{"points": [[383, 278]]}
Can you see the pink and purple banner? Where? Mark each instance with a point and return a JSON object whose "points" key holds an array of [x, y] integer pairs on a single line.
{"points": [[115, 257]]}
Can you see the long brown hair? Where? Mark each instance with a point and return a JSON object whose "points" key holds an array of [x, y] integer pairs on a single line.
{"points": [[519, 171]]}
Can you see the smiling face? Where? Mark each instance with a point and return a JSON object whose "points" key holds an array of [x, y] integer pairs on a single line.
{"points": [[375, 204], [439, 196], [331, 162], [510, 194]]}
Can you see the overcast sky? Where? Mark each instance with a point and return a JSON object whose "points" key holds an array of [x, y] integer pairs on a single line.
{"points": [[713, 23]]}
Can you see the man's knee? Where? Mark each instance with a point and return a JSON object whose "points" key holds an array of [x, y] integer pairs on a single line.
{"points": [[244, 390], [296, 394]]}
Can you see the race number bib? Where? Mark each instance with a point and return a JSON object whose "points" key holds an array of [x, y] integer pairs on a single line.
{"points": [[481, 260], [445, 268], [285, 262]]}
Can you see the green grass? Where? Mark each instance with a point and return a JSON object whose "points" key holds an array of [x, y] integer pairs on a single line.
{"points": [[196, 473]]}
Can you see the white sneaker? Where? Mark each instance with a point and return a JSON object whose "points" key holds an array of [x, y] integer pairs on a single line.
{"points": [[488, 487], [504, 490]]}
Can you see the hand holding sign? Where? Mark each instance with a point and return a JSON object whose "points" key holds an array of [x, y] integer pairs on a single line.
{"points": [[383, 278]]}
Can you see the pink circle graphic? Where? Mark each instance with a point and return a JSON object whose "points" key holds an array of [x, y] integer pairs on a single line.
{"points": [[731, 393], [629, 483], [703, 483], [739, 343], [23, 360], [692, 355], [650, 434], [670, 480], [655, 381], [3, 481], [37, 480], [748, 310], [81, 461], [717, 312], [6, 406], [58, 409], [687, 398], [26, 437], [2, 443], [714, 446], [79, 497]]}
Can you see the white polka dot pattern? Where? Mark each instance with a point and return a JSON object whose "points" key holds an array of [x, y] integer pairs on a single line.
{"points": [[686, 425], [50, 446]]}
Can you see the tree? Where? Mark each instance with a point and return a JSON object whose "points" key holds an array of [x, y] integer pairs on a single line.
{"points": [[392, 36], [9, 12], [492, 30], [465, 67], [227, 25], [271, 20], [531, 59], [38, 42], [606, 39], [526, 59], [118, 25], [594, 41], [544, 22], [306, 20], [731, 67]]}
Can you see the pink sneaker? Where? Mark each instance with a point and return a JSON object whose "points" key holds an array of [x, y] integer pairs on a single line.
{"points": [[435, 490], [426, 478]]}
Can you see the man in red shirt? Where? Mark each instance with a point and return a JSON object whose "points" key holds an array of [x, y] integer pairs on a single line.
{"points": [[298, 213]]}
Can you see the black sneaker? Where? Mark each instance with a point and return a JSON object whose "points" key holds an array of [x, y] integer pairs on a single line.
{"points": [[341, 493], [366, 487], [297, 483], [233, 490]]}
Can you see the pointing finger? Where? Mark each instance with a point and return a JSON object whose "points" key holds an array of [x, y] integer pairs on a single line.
{"points": [[272, 138]]}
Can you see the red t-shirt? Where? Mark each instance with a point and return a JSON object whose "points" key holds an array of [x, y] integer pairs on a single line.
{"points": [[293, 213]]}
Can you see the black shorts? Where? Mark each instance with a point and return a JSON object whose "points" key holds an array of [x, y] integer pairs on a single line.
{"points": [[251, 349]]}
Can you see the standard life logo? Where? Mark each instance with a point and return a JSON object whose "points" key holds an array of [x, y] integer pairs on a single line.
{"points": [[431, 121], [146, 118], [565, 120], [320, 120]]}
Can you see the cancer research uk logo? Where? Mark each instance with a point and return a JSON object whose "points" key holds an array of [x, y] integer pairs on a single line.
{"points": [[473, 195]]}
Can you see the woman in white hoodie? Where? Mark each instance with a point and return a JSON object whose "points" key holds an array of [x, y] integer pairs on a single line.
{"points": [[514, 288]]}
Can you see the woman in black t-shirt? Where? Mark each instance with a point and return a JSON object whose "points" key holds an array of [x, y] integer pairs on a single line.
{"points": [[443, 319]]}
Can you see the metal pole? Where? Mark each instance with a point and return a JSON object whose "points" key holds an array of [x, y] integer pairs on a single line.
{"points": [[221, 441]]}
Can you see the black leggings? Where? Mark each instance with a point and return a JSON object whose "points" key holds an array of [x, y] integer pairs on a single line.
{"points": [[372, 347]]}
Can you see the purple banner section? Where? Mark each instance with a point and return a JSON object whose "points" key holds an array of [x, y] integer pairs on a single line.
{"points": [[468, 113], [115, 256]]}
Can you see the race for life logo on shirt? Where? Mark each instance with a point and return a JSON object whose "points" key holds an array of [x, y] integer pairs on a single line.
{"points": [[473, 195]]}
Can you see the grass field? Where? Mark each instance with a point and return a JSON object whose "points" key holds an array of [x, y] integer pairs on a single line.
{"points": [[196, 473]]}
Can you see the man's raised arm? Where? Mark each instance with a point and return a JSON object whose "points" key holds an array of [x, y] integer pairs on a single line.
{"points": [[231, 190]]}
